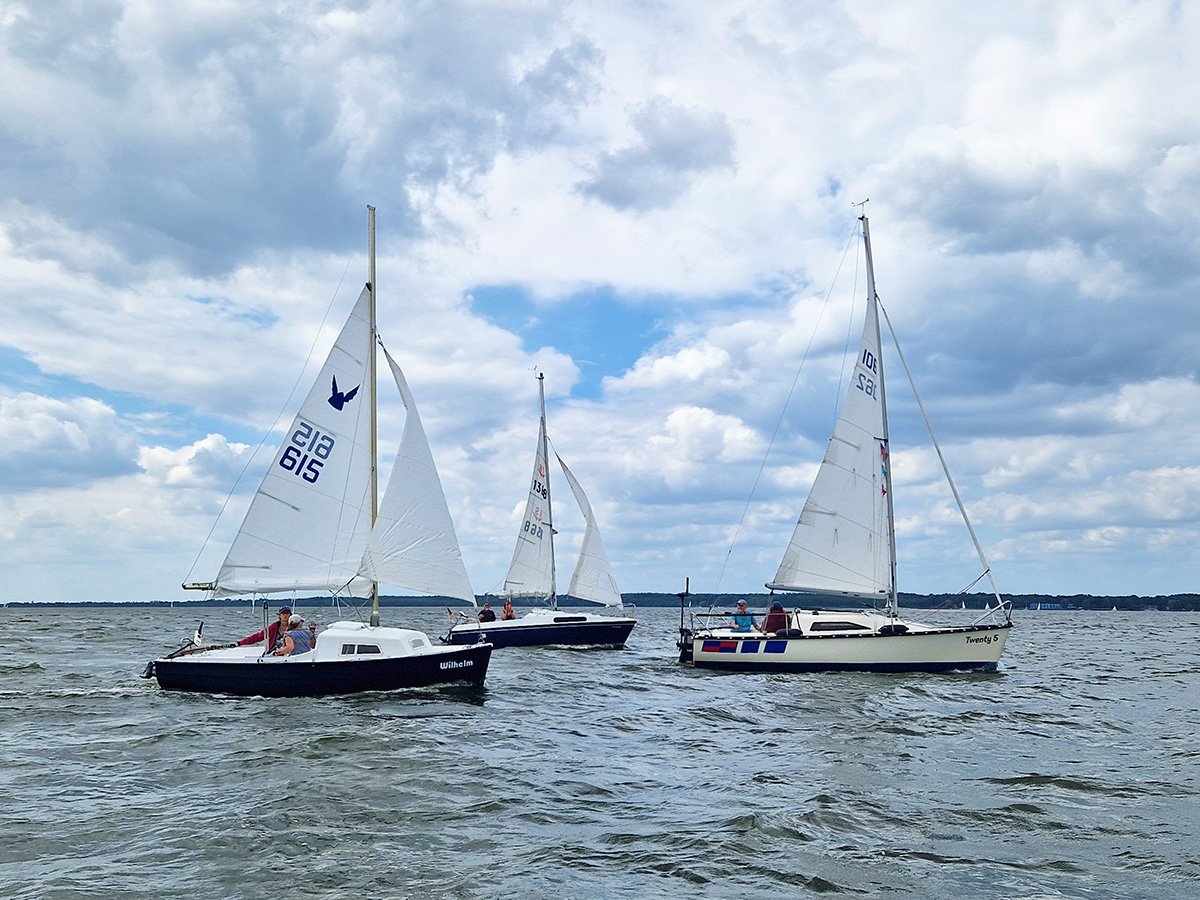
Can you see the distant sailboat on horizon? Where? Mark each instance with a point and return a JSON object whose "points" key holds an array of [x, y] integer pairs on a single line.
{"points": [[531, 574]]}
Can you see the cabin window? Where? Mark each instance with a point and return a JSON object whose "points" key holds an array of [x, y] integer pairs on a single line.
{"points": [[356, 649], [418, 642], [560, 620], [838, 626]]}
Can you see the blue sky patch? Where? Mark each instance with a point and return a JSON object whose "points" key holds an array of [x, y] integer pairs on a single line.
{"points": [[602, 333]]}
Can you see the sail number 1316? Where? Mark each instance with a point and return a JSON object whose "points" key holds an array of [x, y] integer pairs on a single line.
{"points": [[866, 383], [306, 452]]}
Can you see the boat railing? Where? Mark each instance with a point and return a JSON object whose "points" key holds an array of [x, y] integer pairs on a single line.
{"points": [[991, 614], [712, 613]]}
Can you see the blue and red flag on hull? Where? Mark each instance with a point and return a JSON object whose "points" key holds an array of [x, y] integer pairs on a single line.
{"points": [[719, 647]]}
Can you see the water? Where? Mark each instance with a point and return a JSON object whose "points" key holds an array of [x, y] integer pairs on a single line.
{"points": [[1070, 773]]}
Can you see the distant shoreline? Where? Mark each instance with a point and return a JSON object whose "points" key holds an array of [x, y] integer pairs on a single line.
{"points": [[1127, 603]]}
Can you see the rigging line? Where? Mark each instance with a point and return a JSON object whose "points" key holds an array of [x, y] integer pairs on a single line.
{"points": [[783, 412], [938, 447], [269, 431], [971, 585]]}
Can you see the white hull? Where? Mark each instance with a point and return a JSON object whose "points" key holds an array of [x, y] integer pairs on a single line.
{"points": [[844, 545], [869, 642]]}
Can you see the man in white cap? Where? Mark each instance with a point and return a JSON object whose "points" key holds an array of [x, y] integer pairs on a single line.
{"points": [[295, 639]]}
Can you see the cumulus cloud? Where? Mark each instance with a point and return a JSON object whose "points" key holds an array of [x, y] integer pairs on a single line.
{"points": [[211, 462], [47, 442], [153, 124], [182, 227], [675, 145]]}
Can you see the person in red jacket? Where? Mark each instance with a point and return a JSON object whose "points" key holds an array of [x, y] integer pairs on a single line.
{"points": [[274, 631]]}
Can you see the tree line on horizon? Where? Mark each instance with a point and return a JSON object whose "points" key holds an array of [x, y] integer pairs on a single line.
{"points": [[1128, 602]]}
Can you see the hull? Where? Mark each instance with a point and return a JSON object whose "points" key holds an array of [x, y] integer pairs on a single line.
{"points": [[934, 650], [278, 677], [537, 629]]}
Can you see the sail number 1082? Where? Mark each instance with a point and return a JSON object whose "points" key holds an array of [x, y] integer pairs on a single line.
{"points": [[865, 383]]}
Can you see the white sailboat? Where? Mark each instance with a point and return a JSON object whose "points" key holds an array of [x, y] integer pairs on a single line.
{"points": [[531, 575], [315, 525], [844, 546]]}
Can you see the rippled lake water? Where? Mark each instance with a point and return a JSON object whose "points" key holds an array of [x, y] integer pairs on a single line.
{"points": [[1072, 772]]}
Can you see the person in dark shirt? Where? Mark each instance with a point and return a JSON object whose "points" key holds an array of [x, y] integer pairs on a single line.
{"points": [[776, 619], [508, 613], [487, 614]]}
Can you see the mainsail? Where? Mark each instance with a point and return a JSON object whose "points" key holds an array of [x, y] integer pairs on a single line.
{"points": [[307, 526], [843, 541], [531, 573]]}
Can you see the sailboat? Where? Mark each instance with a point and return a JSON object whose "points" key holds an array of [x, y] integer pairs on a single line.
{"points": [[315, 524], [531, 574], [844, 546]]}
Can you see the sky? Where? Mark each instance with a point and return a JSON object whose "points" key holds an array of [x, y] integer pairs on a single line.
{"points": [[653, 204]]}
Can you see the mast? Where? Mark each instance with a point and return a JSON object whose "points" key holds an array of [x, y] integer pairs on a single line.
{"points": [[549, 504], [893, 602], [371, 391]]}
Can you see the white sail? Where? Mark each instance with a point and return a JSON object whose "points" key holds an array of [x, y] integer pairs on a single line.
{"points": [[308, 524], [593, 578], [842, 542], [413, 544], [531, 573]]}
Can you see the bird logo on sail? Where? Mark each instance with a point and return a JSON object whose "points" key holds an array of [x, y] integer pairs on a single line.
{"points": [[338, 399]]}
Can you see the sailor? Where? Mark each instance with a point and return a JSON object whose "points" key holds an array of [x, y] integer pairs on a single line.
{"points": [[296, 639], [273, 631], [742, 620], [776, 619]]}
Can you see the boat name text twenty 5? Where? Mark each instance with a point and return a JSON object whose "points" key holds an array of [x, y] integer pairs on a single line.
{"points": [[985, 639]]}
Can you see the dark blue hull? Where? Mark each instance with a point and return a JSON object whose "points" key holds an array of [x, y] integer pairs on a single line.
{"points": [[317, 679], [614, 632]]}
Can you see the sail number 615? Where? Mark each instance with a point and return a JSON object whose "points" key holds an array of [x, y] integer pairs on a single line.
{"points": [[307, 452]]}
